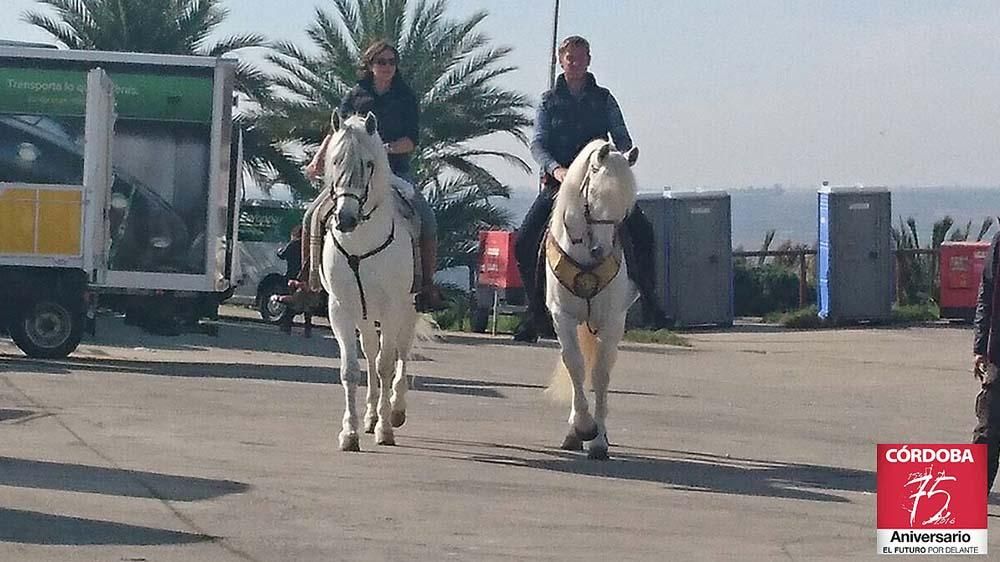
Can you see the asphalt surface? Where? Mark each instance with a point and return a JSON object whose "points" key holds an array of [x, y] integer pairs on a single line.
{"points": [[753, 444]]}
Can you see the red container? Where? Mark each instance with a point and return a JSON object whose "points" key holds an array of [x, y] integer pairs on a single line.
{"points": [[497, 264], [961, 272]]}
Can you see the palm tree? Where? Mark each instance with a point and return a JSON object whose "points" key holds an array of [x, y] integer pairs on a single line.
{"points": [[452, 69], [179, 27]]}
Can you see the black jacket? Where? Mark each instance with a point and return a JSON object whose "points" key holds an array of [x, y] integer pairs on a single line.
{"points": [[292, 254], [397, 112], [986, 323]]}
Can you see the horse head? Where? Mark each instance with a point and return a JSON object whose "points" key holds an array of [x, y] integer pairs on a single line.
{"points": [[356, 170], [602, 191]]}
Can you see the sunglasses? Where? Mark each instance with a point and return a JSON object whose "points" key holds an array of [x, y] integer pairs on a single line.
{"points": [[384, 62]]}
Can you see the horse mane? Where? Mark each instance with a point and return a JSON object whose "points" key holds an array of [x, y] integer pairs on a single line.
{"points": [[622, 184]]}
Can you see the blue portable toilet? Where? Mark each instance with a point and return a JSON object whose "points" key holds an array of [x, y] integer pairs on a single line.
{"points": [[694, 254], [854, 261]]}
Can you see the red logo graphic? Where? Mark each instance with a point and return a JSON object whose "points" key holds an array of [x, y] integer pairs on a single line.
{"points": [[930, 496]]}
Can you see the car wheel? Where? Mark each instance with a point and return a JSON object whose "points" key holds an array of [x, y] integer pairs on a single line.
{"points": [[271, 310], [48, 328]]}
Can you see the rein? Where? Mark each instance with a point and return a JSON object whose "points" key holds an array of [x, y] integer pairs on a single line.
{"points": [[587, 216]]}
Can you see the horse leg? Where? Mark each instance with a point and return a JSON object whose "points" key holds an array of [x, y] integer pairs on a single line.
{"points": [[370, 347], [400, 384], [582, 425], [601, 376], [386, 363], [350, 377]]}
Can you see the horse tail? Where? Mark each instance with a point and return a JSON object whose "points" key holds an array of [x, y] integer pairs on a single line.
{"points": [[560, 388], [425, 328]]}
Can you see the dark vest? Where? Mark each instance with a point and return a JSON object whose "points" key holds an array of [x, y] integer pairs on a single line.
{"points": [[573, 122]]}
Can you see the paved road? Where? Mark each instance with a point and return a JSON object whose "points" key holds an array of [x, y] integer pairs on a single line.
{"points": [[753, 444]]}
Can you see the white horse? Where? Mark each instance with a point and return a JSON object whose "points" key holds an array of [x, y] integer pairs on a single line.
{"points": [[588, 290], [367, 270]]}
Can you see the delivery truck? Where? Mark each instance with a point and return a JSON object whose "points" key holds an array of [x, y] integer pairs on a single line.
{"points": [[120, 181]]}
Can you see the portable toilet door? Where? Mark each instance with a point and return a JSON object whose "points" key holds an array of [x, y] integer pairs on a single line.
{"points": [[693, 255], [855, 259], [700, 268]]}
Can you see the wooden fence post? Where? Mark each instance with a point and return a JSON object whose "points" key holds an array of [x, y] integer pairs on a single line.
{"points": [[802, 279]]}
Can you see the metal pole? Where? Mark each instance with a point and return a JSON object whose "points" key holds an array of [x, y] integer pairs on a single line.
{"points": [[555, 35]]}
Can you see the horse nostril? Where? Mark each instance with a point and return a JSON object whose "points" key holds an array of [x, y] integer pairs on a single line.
{"points": [[595, 252]]}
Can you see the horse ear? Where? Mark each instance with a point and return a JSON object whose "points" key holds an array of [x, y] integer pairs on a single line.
{"points": [[603, 152], [371, 123], [632, 155], [335, 120]]}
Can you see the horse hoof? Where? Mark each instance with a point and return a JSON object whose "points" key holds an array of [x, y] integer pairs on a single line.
{"points": [[571, 443], [350, 443], [598, 454], [588, 435], [370, 425], [397, 419], [387, 440]]}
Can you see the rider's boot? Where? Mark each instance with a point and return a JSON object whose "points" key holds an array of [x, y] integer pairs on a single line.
{"points": [[536, 321], [429, 298], [300, 292]]}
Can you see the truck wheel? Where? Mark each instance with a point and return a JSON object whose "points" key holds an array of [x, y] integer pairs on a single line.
{"points": [[480, 319], [48, 328], [271, 311]]}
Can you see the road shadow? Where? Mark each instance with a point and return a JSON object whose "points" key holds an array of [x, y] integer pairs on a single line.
{"points": [[284, 373], [674, 469], [232, 334], [30, 527], [459, 338], [69, 477], [9, 414]]}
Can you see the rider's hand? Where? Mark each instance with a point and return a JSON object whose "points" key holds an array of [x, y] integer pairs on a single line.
{"points": [[313, 169], [979, 366], [559, 173]]}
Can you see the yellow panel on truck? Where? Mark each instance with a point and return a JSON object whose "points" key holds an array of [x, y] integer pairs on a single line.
{"points": [[41, 221]]}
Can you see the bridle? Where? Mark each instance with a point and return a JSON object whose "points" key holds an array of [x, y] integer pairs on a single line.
{"points": [[361, 199], [354, 260], [587, 280], [588, 216]]}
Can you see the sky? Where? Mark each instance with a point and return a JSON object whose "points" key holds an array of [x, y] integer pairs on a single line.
{"points": [[727, 94]]}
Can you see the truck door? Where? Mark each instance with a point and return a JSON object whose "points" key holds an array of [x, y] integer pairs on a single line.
{"points": [[99, 129]]}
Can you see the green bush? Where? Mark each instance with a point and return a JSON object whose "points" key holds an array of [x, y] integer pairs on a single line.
{"points": [[656, 336], [766, 288], [455, 316], [905, 314], [809, 317]]}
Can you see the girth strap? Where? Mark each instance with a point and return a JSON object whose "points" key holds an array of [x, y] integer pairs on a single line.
{"points": [[354, 262]]}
